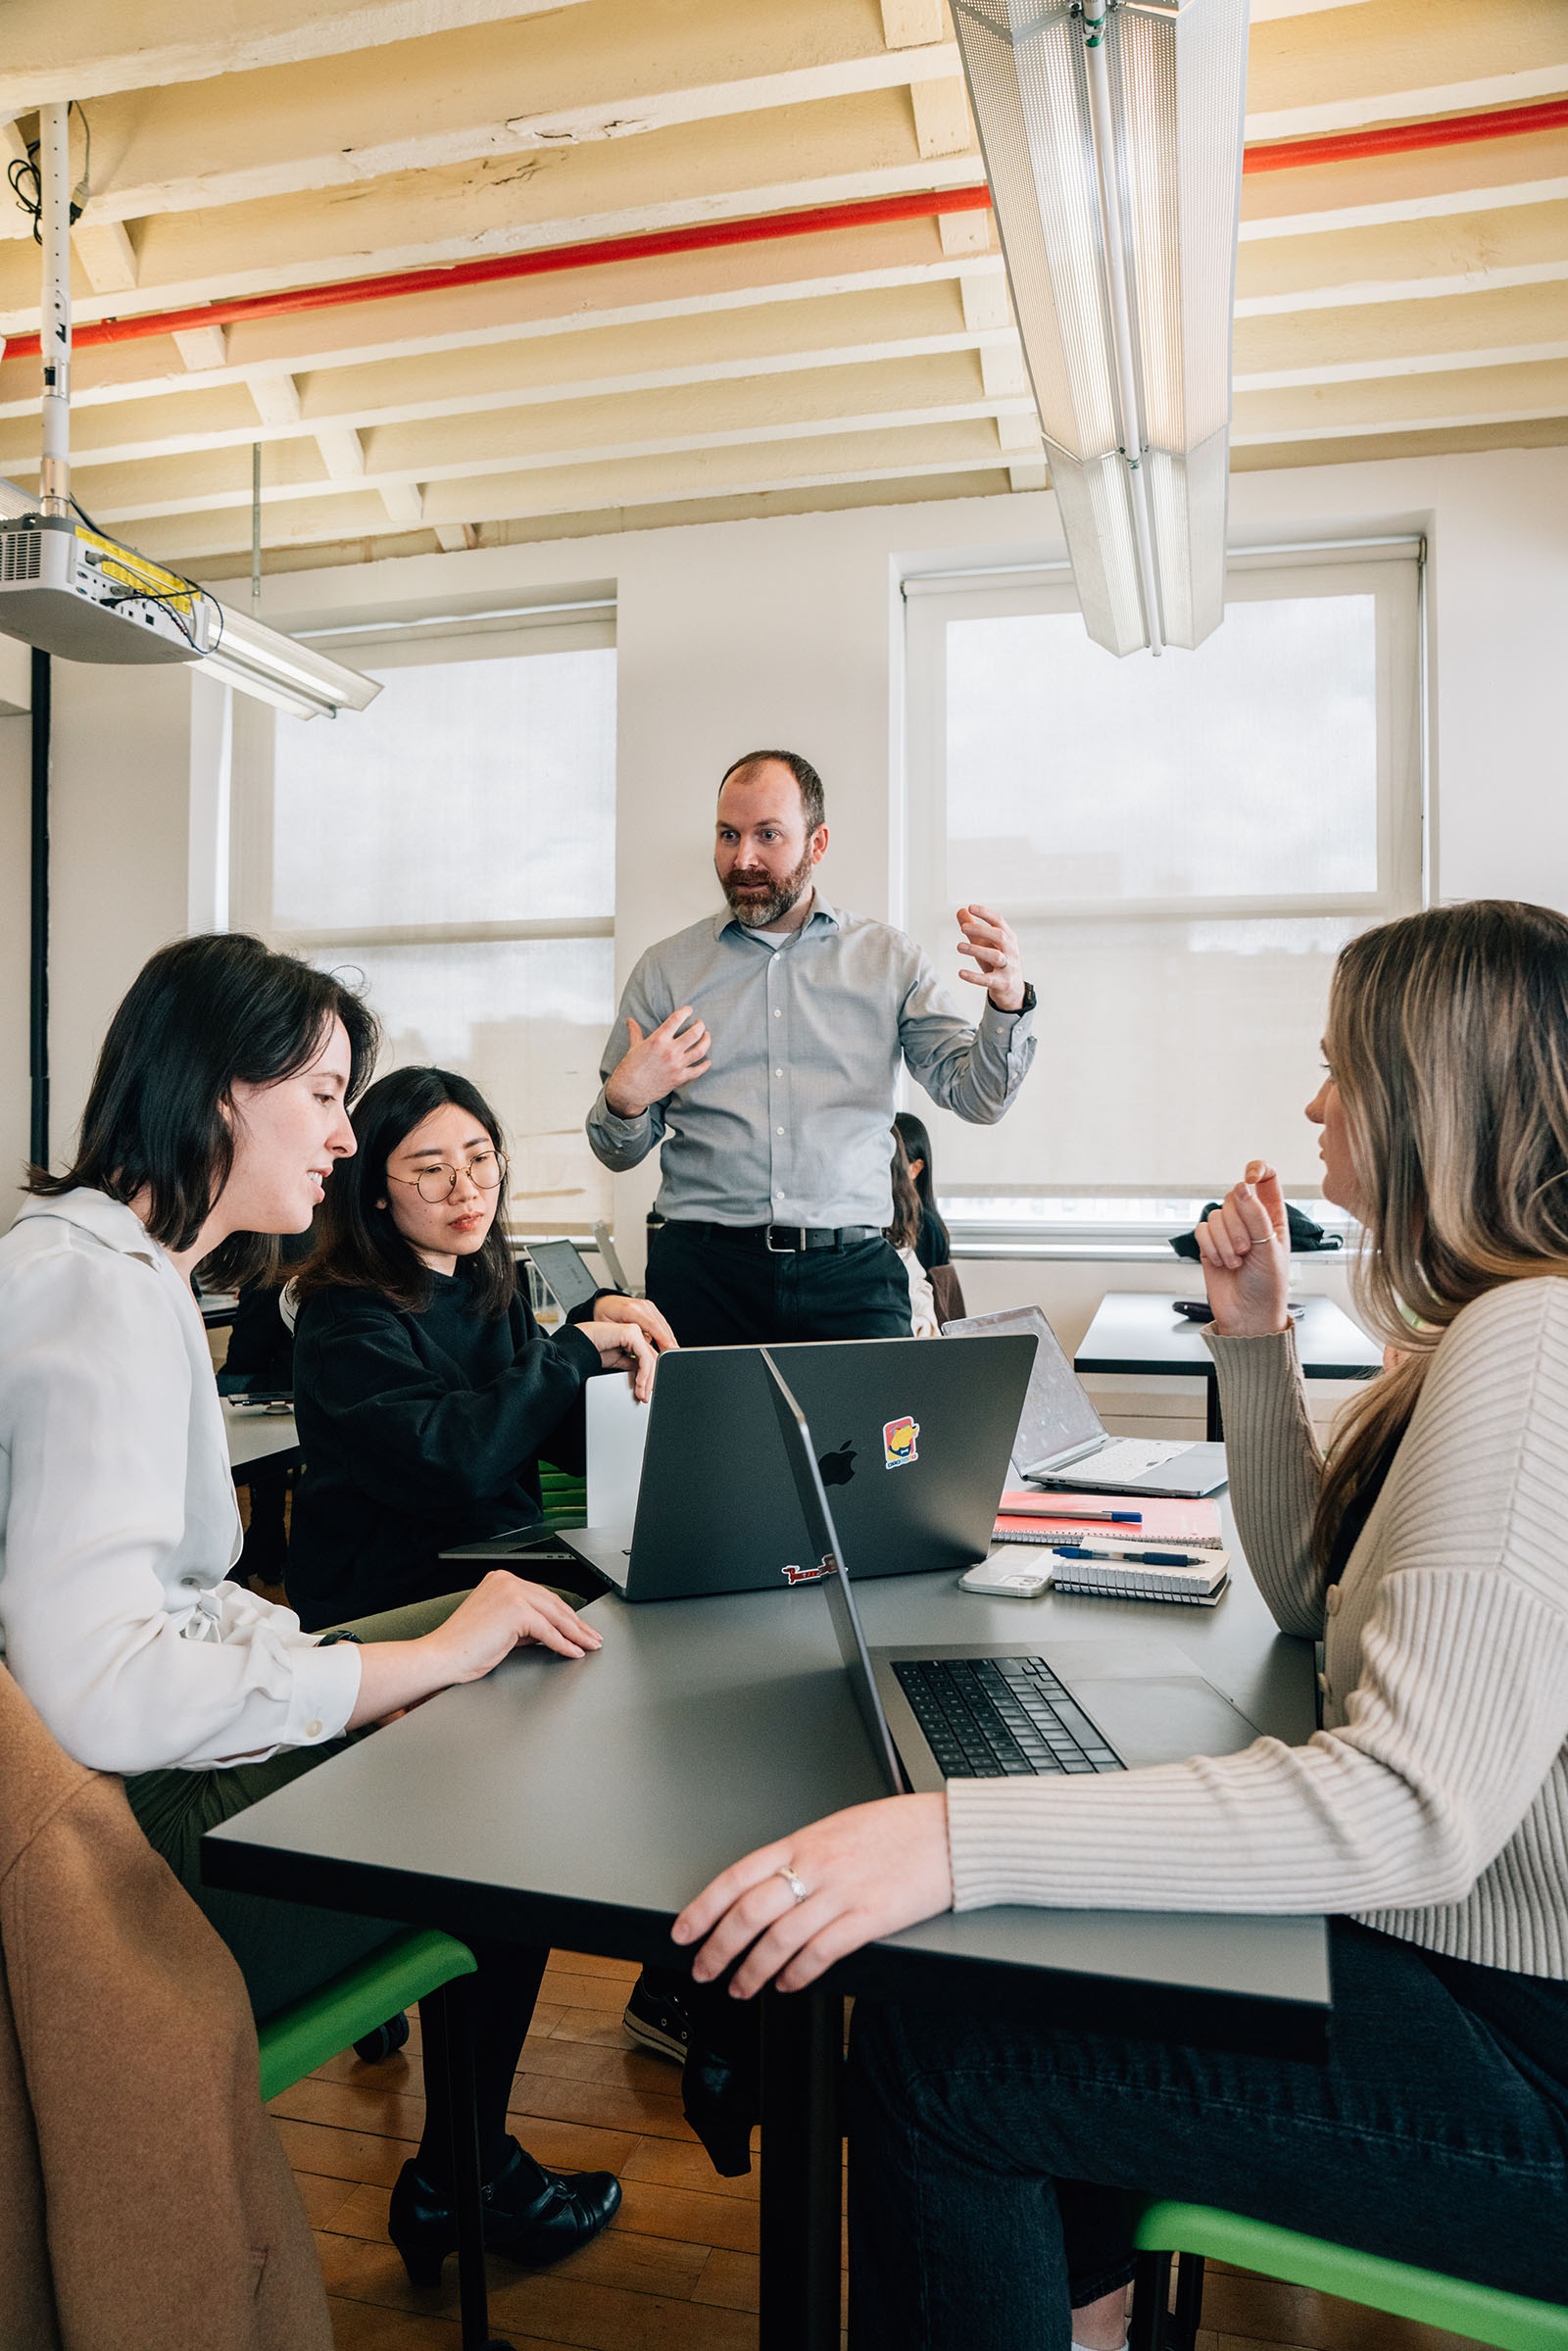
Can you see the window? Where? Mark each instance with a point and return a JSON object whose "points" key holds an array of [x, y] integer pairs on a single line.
{"points": [[455, 845], [1183, 847]]}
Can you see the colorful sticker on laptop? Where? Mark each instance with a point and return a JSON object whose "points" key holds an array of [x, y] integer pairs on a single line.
{"points": [[898, 1441], [809, 1575]]}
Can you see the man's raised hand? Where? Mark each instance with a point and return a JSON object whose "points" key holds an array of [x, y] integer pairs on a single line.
{"points": [[656, 1065]]}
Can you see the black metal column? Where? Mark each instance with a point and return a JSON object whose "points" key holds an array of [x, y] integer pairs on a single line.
{"points": [[38, 953]]}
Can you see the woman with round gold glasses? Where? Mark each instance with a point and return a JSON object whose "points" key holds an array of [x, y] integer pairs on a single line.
{"points": [[423, 1388]]}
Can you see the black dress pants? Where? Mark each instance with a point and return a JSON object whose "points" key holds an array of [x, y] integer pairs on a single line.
{"points": [[721, 1290]]}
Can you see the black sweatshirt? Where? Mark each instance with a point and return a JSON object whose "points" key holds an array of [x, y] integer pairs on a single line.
{"points": [[420, 1431]]}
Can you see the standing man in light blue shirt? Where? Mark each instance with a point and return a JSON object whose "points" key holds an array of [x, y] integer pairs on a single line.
{"points": [[760, 1049]]}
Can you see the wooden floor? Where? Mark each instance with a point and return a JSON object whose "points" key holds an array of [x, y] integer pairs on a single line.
{"points": [[678, 2269]]}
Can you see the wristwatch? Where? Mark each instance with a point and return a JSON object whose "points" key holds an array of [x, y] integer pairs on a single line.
{"points": [[1018, 1010]]}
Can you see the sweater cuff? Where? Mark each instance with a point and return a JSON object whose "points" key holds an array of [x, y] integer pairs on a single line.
{"points": [[581, 1355]]}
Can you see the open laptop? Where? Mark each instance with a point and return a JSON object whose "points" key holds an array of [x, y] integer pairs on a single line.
{"points": [[1063, 1442], [564, 1275], [916, 1443], [989, 1710]]}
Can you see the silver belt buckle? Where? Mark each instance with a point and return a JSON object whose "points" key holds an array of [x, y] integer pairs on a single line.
{"points": [[790, 1248]]}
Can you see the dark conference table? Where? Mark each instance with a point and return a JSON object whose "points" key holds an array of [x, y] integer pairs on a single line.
{"points": [[1139, 1330], [582, 1805]]}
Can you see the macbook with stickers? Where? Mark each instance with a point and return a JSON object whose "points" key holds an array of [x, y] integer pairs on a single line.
{"points": [[993, 1710], [698, 1499]]}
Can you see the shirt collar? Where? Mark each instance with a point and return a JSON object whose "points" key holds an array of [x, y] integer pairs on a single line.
{"points": [[823, 912], [107, 1221]]}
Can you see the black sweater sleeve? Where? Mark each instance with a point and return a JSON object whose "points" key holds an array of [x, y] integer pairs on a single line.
{"points": [[405, 1431]]}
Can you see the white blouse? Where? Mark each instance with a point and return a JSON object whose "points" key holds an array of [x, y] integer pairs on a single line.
{"points": [[118, 1519]]}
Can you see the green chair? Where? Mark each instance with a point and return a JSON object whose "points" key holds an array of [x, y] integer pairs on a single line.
{"points": [[564, 1497], [421, 1965], [1196, 2233]]}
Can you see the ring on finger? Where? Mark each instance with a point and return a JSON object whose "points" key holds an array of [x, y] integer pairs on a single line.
{"points": [[797, 1889]]}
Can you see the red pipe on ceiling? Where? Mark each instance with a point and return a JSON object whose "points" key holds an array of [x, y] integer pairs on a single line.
{"points": [[1406, 138], [705, 236]]}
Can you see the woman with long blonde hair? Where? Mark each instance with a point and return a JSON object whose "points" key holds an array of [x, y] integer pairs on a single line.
{"points": [[1429, 1816]]}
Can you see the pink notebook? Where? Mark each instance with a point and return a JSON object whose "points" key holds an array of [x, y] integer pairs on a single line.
{"points": [[1027, 1516]]}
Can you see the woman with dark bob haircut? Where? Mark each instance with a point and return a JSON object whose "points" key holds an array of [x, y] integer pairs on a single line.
{"points": [[991, 2159], [217, 1115], [424, 1390]]}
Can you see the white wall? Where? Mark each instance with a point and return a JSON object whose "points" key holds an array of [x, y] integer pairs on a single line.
{"points": [[738, 634]]}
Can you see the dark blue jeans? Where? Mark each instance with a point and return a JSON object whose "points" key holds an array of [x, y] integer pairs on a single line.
{"points": [[989, 2159], [722, 1292]]}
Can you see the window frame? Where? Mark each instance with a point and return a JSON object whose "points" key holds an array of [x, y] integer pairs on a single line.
{"points": [[1393, 569]]}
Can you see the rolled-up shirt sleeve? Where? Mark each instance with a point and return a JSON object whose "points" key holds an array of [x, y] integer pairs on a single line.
{"points": [[621, 1143], [973, 1070], [97, 1418]]}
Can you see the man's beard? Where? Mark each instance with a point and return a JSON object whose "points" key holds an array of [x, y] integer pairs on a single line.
{"points": [[760, 913]]}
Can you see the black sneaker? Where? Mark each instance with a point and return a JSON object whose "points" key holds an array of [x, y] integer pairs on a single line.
{"points": [[658, 2019]]}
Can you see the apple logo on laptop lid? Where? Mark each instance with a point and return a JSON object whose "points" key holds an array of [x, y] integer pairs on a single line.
{"points": [[838, 1468]]}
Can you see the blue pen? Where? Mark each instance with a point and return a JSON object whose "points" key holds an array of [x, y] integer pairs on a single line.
{"points": [[1128, 1558], [1097, 1518]]}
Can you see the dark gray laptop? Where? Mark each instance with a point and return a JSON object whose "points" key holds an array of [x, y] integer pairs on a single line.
{"points": [[914, 1436], [987, 1710], [1063, 1442], [564, 1275]]}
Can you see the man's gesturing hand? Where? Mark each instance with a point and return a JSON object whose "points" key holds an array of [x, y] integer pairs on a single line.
{"points": [[655, 1065], [994, 948]]}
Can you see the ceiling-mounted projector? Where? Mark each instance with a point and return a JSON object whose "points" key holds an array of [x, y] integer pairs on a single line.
{"points": [[70, 590]]}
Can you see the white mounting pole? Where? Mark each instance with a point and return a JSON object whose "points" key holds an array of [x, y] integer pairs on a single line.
{"points": [[1104, 129], [54, 187]]}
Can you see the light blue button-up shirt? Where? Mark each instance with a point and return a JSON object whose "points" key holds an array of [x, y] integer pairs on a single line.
{"points": [[790, 1125]]}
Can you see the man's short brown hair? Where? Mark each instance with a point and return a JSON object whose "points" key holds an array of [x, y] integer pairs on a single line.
{"points": [[813, 803]]}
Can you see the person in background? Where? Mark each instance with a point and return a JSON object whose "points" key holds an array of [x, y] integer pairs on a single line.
{"points": [[989, 2161], [259, 1360], [934, 1245], [760, 1050], [217, 1115], [903, 1233], [424, 1390]]}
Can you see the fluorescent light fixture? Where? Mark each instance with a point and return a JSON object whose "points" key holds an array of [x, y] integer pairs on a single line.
{"points": [[261, 660], [1112, 138]]}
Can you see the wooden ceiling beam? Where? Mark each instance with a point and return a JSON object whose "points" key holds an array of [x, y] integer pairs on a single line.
{"points": [[1401, 60], [81, 51], [836, 150], [541, 83]]}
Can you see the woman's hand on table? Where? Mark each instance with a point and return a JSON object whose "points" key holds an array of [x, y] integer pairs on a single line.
{"points": [[1245, 1245], [868, 1872], [624, 1346], [612, 1306], [501, 1614]]}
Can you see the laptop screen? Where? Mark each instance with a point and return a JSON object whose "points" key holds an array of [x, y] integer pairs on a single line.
{"points": [[800, 1453], [563, 1273], [1057, 1415]]}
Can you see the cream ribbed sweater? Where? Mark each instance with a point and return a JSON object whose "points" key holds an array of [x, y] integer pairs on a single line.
{"points": [[1434, 1803]]}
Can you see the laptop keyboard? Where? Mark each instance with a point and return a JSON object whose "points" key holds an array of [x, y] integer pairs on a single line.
{"points": [[992, 1718], [1133, 1456]]}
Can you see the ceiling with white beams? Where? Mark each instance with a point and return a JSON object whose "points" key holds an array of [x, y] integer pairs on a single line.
{"points": [[1388, 301]]}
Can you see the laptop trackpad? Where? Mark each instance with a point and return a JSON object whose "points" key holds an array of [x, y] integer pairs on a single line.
{"points": [[1149, 1699]]}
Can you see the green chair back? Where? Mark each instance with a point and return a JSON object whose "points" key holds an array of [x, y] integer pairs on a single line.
{"points": [[294, 2043], [1484, 2312], [564, 1497]]}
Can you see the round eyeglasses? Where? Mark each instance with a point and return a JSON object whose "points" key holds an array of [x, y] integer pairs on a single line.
{"points": [[437, 1184]]}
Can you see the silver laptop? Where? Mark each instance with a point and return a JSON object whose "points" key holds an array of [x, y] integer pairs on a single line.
{"points": [[990, 1711], [915, 1440], [1063, 1442], [564, 1275]]}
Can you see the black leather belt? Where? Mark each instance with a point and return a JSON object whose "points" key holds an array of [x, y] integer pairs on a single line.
{"points": [[787, 1240]]}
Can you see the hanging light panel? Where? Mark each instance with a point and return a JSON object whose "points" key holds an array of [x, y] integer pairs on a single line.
{"points": [[1113, 137]]}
